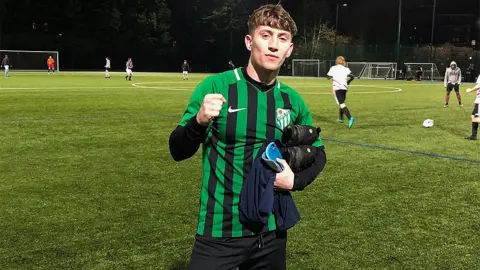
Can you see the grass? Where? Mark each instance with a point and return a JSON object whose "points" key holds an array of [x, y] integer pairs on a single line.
{"points": [[87, 181]]}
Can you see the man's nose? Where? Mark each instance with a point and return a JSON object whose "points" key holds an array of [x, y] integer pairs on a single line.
{"points": [[273, 44]]}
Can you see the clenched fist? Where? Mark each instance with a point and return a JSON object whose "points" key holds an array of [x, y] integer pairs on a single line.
{"points": [[211, 106]]}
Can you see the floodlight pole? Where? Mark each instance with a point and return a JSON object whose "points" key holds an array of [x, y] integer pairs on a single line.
{"points": [[477, 41], [399, 29], [478, 29], [336, 27], [433, 29]]}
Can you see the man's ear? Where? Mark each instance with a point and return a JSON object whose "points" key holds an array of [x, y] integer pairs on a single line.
{"points": [[248, 42], [290, 50]]}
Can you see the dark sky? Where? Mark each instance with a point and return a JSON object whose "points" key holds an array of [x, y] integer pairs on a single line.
{"points": [[378, 19]]}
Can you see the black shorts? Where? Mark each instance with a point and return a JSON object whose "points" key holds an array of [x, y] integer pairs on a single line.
{"points": [[475, 111], [252, 252], [340, 96], [107, 69], [451, 87]]}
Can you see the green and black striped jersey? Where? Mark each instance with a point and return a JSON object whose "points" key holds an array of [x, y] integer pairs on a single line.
{"points": [[248, 118]]}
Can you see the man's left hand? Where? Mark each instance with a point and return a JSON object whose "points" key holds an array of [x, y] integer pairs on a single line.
{"points": [[284, 180]]}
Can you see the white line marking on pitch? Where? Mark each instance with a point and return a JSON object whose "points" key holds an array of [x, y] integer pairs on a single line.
{"points": [[186, 89], [65, 87], [190, 89]]}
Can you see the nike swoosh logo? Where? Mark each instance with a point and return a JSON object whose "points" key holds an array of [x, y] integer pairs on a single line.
{"points": [[230, 110]]}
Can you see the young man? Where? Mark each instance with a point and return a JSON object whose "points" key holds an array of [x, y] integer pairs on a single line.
{"points": [[476, 111], [233, 114], [453, 79], [404, 72], [419, 73], [341, 77], [185, 68], [6, 65], [51, 65], [129, 66], [107, 68]]}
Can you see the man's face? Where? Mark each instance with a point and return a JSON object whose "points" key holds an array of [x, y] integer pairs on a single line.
{"points": [[269, 47]]}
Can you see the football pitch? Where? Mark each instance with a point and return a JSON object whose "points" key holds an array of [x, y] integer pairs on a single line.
{"points": [[87, 180]]}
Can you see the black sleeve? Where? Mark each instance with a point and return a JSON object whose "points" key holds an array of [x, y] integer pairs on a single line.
{"points": [[351, 77], [306, 177], [185, 141]]}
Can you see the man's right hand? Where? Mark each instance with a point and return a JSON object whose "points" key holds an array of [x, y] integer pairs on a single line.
{"points": [[211, 106]]}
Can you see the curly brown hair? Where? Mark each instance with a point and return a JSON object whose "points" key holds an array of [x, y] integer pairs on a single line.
{"points": [[274, 16]]}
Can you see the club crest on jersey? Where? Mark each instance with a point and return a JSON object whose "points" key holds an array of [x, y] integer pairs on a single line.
{"points": [[283, 117]]}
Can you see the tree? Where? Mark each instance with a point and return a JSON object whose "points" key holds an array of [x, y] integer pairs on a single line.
{"points": [[318, 41], [85, 30], [144, 23], [3, 12], [228, 17]]}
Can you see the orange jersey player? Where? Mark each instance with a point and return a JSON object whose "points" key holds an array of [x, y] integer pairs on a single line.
{"points": [[51, 64]]}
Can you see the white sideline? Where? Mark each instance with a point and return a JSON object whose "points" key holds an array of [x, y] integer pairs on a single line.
{"points": [[393, 89]]}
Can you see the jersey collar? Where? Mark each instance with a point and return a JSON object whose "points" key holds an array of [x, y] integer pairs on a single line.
{"points": [[242, 73]]}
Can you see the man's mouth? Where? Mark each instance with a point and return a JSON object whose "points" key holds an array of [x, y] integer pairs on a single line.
{"points": [[271, 56]]}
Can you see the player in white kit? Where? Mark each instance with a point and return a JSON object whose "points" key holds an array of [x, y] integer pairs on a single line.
{"points": [[341, 77], [129, 66], [107, 68], [475, 112]]}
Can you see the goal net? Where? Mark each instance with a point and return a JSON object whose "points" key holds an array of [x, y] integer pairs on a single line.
{"points": [[357, 68], [386, 71], [373, 70], [422, 71], [306, 67], [30, 60]]}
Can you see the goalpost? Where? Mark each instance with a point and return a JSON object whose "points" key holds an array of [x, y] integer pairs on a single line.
{"points": [[381, 70], [306, 67], [30, 60], [426, 71], [357, 68], [373, 70]]}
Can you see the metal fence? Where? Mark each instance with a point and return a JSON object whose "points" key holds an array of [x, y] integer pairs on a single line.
{"points": [[467, 57]]}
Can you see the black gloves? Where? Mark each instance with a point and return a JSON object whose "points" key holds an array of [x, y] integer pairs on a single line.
{"points": [[298, 151]]}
